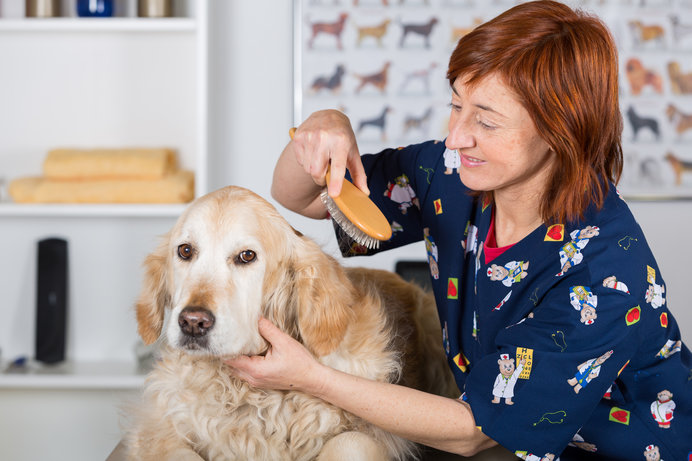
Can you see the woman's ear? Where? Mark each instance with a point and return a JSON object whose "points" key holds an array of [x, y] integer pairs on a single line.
{"points": [[154, 296]]}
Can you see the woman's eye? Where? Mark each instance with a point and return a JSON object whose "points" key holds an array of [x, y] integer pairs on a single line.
{"points": [[247, 256], [185, 251], [455, 107]]}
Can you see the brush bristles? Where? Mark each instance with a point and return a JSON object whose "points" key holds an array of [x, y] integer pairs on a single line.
{"points": [[346, 225]]}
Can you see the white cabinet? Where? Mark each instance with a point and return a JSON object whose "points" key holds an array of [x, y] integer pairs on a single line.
{"points": [[93, 82]]}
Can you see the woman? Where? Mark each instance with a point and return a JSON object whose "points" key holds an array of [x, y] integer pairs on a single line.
{"points": [[552, 305]]}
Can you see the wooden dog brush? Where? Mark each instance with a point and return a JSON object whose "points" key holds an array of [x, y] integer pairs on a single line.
{"points": [[356, 214]]}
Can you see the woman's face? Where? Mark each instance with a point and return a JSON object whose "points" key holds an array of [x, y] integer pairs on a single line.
{"points": [[497, 141]]}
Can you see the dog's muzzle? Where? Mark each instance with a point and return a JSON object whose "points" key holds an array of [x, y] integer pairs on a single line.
{"points": [[195, 323]]}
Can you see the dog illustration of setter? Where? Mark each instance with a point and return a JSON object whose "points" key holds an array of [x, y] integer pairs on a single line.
{"points": [[377, 32], [331, 82], [680, 120], [329, 28], [424, 30], [679, 167], [640, 77], [680, 83], [379, 79]]}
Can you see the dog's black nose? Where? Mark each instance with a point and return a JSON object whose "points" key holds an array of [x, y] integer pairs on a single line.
{"points": [[196, 321]]}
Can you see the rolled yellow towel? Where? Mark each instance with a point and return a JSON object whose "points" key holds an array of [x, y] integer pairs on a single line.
{"points": [[177, 187], [133, 163]]}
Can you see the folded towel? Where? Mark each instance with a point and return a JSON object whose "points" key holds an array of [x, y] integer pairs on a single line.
{"points": [[130, 163], [177, 187]]}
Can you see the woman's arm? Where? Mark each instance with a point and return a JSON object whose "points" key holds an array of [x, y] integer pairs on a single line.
{"points": [[323, 139], [439, 422]]}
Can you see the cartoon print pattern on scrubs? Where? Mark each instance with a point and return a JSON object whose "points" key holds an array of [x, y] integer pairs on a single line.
{"points": [[562, 345]]}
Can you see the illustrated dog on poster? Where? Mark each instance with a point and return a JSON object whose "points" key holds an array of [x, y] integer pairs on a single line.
{"points": [[646, 34], [681, 121], [335, 29], [377, 32], [379, 122], [331, 83], [423, 30], [680, 167], [422, 76], [680, 82], [638, 123], [229, 259], [640, 77], [378, 79]]}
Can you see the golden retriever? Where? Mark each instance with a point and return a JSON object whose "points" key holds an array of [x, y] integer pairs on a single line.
{"points": [[230, 259]]}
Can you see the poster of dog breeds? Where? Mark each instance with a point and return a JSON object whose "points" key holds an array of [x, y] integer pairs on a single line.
{"points": [[383, 63]]}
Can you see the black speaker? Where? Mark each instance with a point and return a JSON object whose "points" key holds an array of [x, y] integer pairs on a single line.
{"points": [[51, 300]]}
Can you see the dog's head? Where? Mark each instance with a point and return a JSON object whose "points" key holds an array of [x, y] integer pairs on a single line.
{"points": [[230, 258]]}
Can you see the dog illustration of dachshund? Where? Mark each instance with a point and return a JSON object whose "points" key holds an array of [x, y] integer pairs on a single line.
{"points": [[377, 32], [681, 121], [379, 122], [329, 28], [331, 82], [640, 77], [679, 167], [424, 30], [379, 79], [638, 123], [680, 83]]}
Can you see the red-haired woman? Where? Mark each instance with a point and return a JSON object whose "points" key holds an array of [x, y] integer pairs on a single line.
{"points": [[552, 305]]}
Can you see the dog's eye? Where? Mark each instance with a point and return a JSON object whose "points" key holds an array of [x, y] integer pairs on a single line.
{"points": [[247, 256], [185, 251]]}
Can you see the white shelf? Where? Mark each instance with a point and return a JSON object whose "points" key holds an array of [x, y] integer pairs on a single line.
{"points": [[91, 211], [98, 25], [71, 376]]}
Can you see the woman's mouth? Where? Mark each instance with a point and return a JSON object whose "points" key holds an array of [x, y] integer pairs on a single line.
{"points": [[470, 162]]}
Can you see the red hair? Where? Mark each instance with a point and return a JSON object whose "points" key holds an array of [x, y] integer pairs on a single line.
{"points": [[562, 65]]}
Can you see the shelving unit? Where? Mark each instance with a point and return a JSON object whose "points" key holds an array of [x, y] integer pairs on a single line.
{"points": [[94, 82]]}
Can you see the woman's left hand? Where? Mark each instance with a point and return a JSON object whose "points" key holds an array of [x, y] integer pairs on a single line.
{"points": [[287, 365]]}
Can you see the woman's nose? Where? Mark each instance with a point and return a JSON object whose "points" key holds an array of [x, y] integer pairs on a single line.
{"points": [[460, 136]]}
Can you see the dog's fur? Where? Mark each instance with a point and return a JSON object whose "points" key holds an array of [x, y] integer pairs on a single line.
{"points": [[365, 322]]}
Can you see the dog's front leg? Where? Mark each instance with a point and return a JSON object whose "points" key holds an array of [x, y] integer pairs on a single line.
{"points": [[353, 446]]}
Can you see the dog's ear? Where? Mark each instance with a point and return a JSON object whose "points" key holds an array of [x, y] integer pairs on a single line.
{"points": [[154, 296], [323, 296]]}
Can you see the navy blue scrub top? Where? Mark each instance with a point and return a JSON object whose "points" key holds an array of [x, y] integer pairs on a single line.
{"points": [[563, 346]]}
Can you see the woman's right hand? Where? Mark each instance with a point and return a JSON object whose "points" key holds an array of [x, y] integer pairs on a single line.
{"points": [[325, 140]]}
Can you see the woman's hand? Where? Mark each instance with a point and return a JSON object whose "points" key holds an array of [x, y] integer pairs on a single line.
{"points": [[326, 138], [287, 365]]}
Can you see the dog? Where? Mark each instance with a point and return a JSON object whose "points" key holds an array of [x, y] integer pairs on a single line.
{"points": [[640, 77], [680, 29], [379, 122], [379, 79], [421, 75], [334, 29], [420, 123], [377, 32], [424, 30], [639, 123], [332, 82], [679, 167], [229, 259], [645, 33], [681, 120], [680, 83]]}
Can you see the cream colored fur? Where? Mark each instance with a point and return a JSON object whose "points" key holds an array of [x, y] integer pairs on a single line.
{"points": [[366, 322]]}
